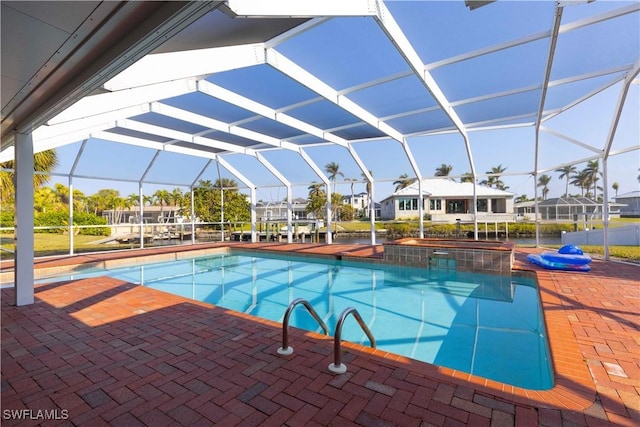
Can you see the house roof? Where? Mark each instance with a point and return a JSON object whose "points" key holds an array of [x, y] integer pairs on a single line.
{"points": [[568, 201], [449, 188], [628, 195]]}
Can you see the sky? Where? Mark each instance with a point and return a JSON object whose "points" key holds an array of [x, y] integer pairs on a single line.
{"points": [[587, 123]]}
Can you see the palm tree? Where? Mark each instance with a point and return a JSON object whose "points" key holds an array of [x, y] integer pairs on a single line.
{"points": [[162, 197], [403, 181], [316, 190], [581, 180], [543, 181], [466, 177], [592, 169], [493, 178], [316, 199], [333, 169], [45, 200], [521, 198], [565, 172], [352, 181], [368, 189], [615, 187], [444, 170], [367, 186], [44, 161], [225, 184], [132, 200]]}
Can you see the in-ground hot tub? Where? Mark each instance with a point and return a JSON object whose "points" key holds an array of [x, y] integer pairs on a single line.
{"points": [[472, 256]]}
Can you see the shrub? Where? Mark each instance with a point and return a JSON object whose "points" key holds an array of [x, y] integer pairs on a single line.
{"points": [[61, 219], [6, 219], [402, 229]]}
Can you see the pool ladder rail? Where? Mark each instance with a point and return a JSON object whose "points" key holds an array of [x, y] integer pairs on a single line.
{"points": [[286, 350], [337, 367]]}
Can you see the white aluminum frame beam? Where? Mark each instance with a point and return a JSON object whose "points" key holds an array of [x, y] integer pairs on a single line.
{"points": [[629, 78], [72, 172], [326, 182], [571, 140], [252, 192], [153, 69], [267, 164], [301, 9], [72, 127], [553, 40], [141, 195], [177, 136], [114, 101], [262, 110]]}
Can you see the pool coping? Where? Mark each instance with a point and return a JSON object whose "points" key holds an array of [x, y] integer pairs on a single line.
{"points": [[574, 387]]}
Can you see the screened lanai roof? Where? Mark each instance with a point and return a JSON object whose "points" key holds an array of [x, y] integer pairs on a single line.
{"points": [[261, 85]]}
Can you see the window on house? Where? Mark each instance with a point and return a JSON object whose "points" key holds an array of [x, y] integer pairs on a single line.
{"points": [[456, 206], [407, 204], [435, 204], [482, 205]]}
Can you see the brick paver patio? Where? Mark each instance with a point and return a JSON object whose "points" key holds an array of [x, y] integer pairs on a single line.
{"points": [[104, 352]]}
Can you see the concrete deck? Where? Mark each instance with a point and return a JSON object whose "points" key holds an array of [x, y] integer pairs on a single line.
{"points": [[104, 352]]}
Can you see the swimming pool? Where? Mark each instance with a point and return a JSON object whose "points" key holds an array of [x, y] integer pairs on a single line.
{"points": [[486, 325]]}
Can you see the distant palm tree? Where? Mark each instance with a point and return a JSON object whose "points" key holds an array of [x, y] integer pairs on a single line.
{"points": [[466, 177], [593, 167], [162, 197], [44, 161], [352, 181], [543, 181], [333, 169], [581, 180], [493, 178], [565, 172], [177, 197], [444, 170], [226, 184], [132, 200], [316, 199], [615, 187], [521, 198], [368, 189], [403, 181], [316, 190], [367, 186]]}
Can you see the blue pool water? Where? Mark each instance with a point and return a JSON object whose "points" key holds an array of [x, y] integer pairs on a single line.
{"points": [[486, 325]]}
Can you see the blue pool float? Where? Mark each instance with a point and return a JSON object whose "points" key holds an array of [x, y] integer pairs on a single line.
{"points": [[568, 257]]}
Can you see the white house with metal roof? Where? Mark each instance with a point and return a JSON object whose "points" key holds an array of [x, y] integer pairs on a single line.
{"points": [[446, 200]]}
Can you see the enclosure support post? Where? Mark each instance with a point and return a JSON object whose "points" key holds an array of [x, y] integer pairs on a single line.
{"points": [[24, 238]]}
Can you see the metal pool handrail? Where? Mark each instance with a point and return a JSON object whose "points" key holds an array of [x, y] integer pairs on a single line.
{"points": [[285, 349], [337, 367]]}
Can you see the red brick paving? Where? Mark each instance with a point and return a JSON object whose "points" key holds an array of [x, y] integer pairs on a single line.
{"points": [[112, 353]]}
